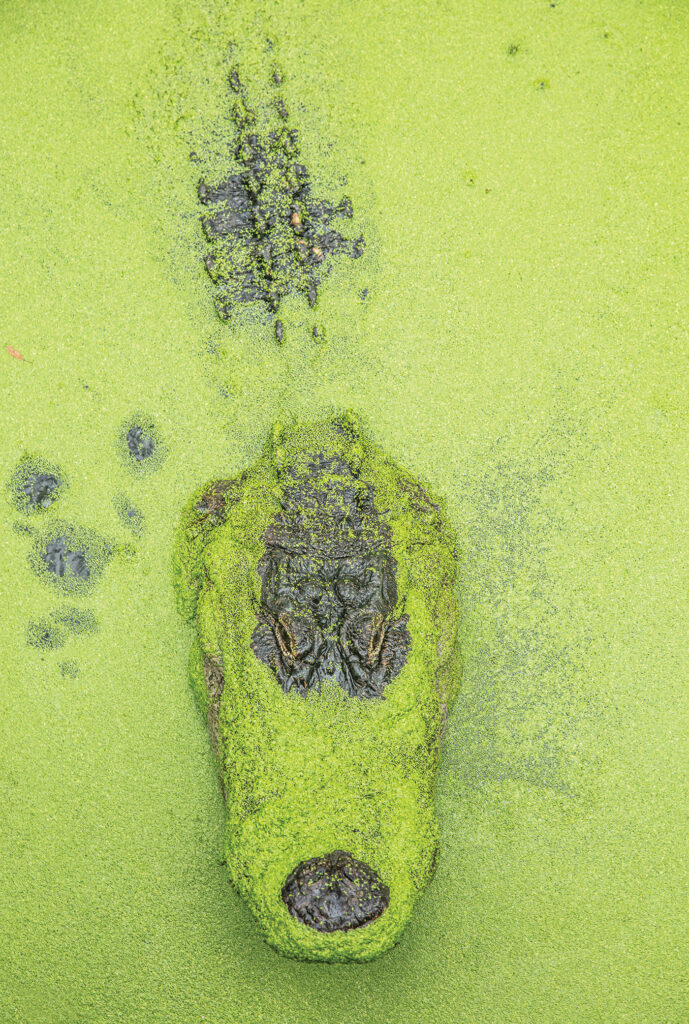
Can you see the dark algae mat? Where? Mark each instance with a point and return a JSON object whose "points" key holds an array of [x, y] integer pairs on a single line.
{"points": [[453, 236]]}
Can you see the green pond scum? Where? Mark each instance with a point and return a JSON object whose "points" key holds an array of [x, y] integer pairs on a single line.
{"points": [[514, 336], [321, 583]]}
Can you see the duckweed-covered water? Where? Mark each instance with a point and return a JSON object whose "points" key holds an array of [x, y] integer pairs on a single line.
{"points": [[515, 334]]}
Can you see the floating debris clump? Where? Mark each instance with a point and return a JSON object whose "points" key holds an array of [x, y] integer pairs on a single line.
{"points": [[50, 635], [269, 236], [139, 443], [71, 556], [63, 561], [132, 517], [76, 620], [43, 633], [36, 485]]}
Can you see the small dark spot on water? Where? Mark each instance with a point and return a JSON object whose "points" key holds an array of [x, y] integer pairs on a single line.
{"points": [[40, 490], [62, 561], [140, 442], [23, 528], [512, 49], [76, 620], [42, 633], [69, 669], [130, 516], [35, 485], [363, 294], [140, 445], [542, 83], [70, 555], [279, 332]]}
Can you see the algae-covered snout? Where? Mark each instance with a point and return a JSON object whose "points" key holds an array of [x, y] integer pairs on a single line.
{"points": [[321, 583]]}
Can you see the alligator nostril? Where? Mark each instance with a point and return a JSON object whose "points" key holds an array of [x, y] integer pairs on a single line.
{"points": [[335, 893]]}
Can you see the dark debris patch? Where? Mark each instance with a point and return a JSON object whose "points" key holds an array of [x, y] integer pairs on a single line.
{"points": [[71, 556], [140, 445], [335, 893], [35, 485], [77, 620], [268, 234], [132, 518], [140, 442], [63, 561], [69, 669], [44, 634]]}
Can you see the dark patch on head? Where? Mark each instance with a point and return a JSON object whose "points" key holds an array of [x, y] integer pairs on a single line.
{"points": [[35, 485], [269, 235], [335, 893], [328, 587], [43, 633], [211, 508]]}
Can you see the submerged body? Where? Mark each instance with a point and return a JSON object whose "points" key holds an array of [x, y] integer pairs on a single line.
{"points": [[321, 583]]}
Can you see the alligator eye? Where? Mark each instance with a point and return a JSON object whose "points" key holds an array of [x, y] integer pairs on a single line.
{"points": [[295, 634], [285, 638], [376, 639]]}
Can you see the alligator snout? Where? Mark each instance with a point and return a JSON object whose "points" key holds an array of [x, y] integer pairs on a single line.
{"points": [[335, 893], [325, 659]]}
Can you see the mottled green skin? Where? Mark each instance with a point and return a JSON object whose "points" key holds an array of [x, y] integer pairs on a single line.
{"points": [[305, 775]]}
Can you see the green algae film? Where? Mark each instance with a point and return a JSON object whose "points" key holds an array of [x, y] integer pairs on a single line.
{"points": [[521, 345]]}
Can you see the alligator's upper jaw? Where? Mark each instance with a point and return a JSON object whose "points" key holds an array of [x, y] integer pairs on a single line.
{"points": [[335, 893]]}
